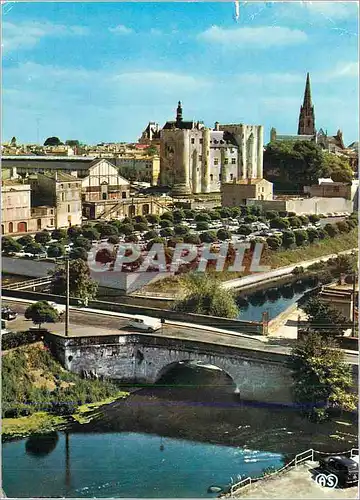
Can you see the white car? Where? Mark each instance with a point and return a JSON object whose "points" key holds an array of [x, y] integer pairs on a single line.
{"points": [[145, 323]]}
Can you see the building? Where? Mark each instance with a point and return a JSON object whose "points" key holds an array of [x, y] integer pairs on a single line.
{"points": [[60, 191], [307, 114], [195, 159], [15, 206], [151, 135], [139, 168], [240, 192], [326, 188]]}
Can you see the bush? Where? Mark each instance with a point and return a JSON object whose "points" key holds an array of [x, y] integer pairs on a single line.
{"points": [[273, 242], [172, 242], [288, 239], [208, 237], [250, 218], [202, 217], [301, 237], [131, 238], [83, 242], [167, 216], [141, 226], [244, 229], [155, 240], [90, 233], [126, 229], [215, 215], [271, 214], [223, 234], [153, 218], [25, 240], [34, 248], [166, 223], [59, 234], [74, 232], [114, 239], [295, 222], [179, 215], [189, 214], [304, 219], [235, 211], [150, 235], [181, 230], [283, 213], [166, 232], [279, 223], [312, 234], [322, 234], [107, 230], [331, 230], [314, 218], [343, 226], [56, 250], [202, 226], [192, 238], [79, 253], [9, 245], [141, 219], [43, 237], [225, 213]]}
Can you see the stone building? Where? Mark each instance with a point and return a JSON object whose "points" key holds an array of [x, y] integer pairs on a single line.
{"points": [[196, 159], [240, 192], [15, 206], [60, 191], [140, 169], [151, 135]]}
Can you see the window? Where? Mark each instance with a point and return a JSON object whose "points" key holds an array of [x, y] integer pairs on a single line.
{"points": [[231, 177], [211, 177], [200, 157], [62, 186], [62, 196], [123, 194], [233, 161], [219, 177], [216, 161], [226, 161], [201, 141], [51, 222], [192, 140], [51, 212], [69, 208], [262, 189]]}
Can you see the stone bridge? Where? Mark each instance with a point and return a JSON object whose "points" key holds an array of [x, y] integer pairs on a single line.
{"points": [[258, 375]]}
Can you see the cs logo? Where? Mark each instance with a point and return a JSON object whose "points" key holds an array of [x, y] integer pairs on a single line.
{"points": [[327, 481]]}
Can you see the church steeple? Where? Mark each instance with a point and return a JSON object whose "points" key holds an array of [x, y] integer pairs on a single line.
{"points": [[179, 113], [307, 114]]}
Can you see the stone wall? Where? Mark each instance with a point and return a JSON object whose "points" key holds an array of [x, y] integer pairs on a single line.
{"points": [[306, 205]]}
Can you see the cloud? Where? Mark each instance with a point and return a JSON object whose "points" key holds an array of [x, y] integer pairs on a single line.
{"points": [[121, 30], [262, 37], [28, 34], [333, 9]]}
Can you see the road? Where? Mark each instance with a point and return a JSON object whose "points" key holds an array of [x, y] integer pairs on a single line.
{"points": [[84, 322], [277, 273]]}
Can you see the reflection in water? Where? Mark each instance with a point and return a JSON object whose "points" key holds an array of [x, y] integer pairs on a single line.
{"points": [[40, 445]]}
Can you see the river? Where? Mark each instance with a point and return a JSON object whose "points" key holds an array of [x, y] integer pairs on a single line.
{"points": [[172, 440]]}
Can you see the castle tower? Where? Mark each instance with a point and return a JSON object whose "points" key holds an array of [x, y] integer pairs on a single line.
{"points": [[307, 114], [179, 114]]}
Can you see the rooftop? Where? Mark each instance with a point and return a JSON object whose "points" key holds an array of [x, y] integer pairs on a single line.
{"points": [[47, 158]]}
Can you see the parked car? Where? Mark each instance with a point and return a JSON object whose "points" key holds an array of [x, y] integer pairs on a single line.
{"points": [[145, 323], [345, 469], [8, 314]]}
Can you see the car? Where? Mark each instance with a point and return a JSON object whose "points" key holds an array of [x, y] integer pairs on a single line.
{"points": [[8, 314], [345, 469], [145, 323]]}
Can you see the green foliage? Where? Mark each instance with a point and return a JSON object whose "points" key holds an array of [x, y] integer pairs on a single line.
{"points": [[342, 226], [203, 294], [244, 229], [304, 219], [9, 245], [83, 242], [59, 234], [181, 230], [107, 230], [52, 141], [131, 238], [271, 214], [189, 214], [301, 237], [322, 234], [274, 242], [141, 226], [165, 233], [74, 232], [25, 240], [81, 284], [150, 243], [312, 234], [34, 248], [113, 239], [323, 318], [43, 237], [141, 218], [202, 217], [179, 215], [202, 226], [314, 218], [331, 230], [167, 216], [295, 222], [41, 312], [56, 250], [208, 237], [72, 143], [126, 229], [223, 234], [90, 233], [192, 238], [279, 223], [248, 219], [288, 239], [166, 223], [338, 167], [150, 235], [225, 213], [345, 264], [214, 215], [153, 218], [322, 379], [79, 253], [173, 241]]}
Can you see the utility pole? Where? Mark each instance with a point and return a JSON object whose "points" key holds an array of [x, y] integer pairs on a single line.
{"points": [[67, 310]]}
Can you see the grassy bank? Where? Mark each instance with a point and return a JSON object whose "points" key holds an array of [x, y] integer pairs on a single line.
{"points": [[39, 395]]}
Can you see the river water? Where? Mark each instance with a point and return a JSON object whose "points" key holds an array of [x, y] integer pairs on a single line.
{"points": [[172, 440]]}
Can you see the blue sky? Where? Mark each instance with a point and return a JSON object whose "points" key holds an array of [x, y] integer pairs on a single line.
{"points": [[101, 71]]}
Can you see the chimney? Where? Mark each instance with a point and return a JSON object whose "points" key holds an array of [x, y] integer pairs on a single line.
{"points": [[217, 126]]}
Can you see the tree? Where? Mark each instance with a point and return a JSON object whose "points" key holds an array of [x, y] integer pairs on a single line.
{"points": [[131, 238], [322, 379], [202, 217], [288, 239], [215, 215], [126, 229], [41, 312], [271, 214], [301, 237], [322, 234], [83, 242], [279, 223], [59, 234], [203, 294], [80, 283], [345, 264], [73, 143], [235, 211], [166, 223], [181, 230], [90, 233], [141, 226], [78, 253], [338, 167], [331, 230], [151, 150], [52, 141], [150, 235], [312, 234], [153, 218], [179, 215], [9, 245], [192, 238], [223, 234], [208, 237], [166, 232], [107, 230], [250, 218], [13, 142], [314, 218], [167, 216], [202, 226], [295, 222], [274, 242], [34, 248], [114, 239], [74, 232], [225, 213], [304, 219], [189, 214], [323, 318], [43, 237], [244, 229], [342, 226], [56, 250], [141, 218], [25, 240]]}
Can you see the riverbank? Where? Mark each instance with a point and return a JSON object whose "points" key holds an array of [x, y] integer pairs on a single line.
{"points": [[40, 396]]}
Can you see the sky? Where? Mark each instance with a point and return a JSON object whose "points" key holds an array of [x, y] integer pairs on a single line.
{"points": [[99, 72]]}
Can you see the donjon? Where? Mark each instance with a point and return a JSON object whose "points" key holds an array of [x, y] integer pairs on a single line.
{"points": [[196, 159]]}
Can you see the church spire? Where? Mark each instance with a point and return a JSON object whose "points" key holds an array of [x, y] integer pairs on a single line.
{"points": [[179, 113], [307, 115]]}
